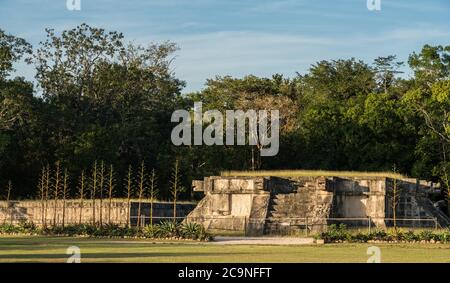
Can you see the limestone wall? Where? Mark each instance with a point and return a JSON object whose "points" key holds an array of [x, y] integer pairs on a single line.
{"points": [[75, 211], [359, 198]]}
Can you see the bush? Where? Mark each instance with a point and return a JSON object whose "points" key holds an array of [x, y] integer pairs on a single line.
{"points": [[190, 230], [8, 229], [23, 227], [426, 235], [336, 233], [166, 229], [361, 237], [27, 227], [194, 231], [444, 237], [378, 235], [410, 236]]}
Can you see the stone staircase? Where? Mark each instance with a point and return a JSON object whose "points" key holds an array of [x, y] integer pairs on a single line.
{"points": [[420, 208], [442, 219], [291, 211], [280, 219]]}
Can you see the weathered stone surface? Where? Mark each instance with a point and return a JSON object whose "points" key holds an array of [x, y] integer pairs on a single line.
{"points": [[267, 204], [32, 211]]}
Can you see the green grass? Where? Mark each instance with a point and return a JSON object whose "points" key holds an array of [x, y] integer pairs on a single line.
{"points": [[52, 249], [309, 173]]}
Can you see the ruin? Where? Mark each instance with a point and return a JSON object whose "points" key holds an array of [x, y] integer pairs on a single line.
{"points": [[269, 204]]}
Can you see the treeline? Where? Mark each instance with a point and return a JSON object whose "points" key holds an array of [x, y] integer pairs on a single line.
{"points": [[100, 98]]}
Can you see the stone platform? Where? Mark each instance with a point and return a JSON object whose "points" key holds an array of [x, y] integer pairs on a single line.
{"points": [[270, 205]]}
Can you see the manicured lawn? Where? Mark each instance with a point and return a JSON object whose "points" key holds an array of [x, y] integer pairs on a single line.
{"points": [[51, 249]]}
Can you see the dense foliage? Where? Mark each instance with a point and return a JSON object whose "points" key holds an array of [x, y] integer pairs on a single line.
{"points": [[101, 98]]}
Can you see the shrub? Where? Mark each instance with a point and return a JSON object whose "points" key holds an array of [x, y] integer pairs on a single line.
{"points": [[166, 229], [336, 233], [361, 237], [190, 230], [149, 231], [194, 231], [378, 235], [8, 229], [410, 236], [27, 227], [444, 237], [426, 235]]}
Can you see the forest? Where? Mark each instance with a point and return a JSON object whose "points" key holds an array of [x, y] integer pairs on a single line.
{"points": [[99, 99]]}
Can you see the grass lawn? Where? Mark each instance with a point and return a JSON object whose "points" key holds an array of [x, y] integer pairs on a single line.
{"points": [[53, 249]]}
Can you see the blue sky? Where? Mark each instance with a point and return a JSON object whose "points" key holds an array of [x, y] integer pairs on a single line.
{"points": [[239, 37]]}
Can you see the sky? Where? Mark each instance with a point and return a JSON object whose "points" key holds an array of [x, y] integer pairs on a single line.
{"points": [[241, 37]]}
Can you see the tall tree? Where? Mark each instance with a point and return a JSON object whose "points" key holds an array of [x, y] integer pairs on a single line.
{"points": [[81, 194], [386, 69], [176, 188], [111, 191], [141, 187], [129, 192], [56, 190], [153, 194], [12, 49]]}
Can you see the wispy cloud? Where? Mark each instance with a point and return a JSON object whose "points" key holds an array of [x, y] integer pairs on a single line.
{"points": [[236, 37]]}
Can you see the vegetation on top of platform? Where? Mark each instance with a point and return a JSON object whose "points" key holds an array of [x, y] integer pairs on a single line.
{"points": [[310, 173]]}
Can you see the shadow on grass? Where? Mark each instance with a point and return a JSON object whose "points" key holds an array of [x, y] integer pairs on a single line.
{"points": [[108, 255]]}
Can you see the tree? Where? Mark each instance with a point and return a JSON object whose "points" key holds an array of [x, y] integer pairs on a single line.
{"points": [[446, 182], [129, 192], [56, 189], [41, 193], [8, 197], [430, 65], [111, 186], [94, 187], [105, 99], [141, 186], [16, 98], [65, 195], [340, 79], [395, 198], [81, 193], [8, 191], [386, 68], [101, 187], [47, 191], [176, 188], [12, 49], [16, 103], [153, 194], [433, 106]]}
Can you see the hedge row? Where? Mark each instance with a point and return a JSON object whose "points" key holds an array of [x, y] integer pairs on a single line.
{"points": [[164, 230], [340, 233]]}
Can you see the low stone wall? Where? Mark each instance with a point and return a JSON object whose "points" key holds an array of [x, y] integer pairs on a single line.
{"points": [[76, 211]]}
